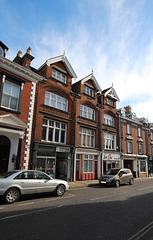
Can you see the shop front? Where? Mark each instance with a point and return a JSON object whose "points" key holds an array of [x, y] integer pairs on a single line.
{"points": [[54, 160], [86, 164], [137, 163], [111, 160]]}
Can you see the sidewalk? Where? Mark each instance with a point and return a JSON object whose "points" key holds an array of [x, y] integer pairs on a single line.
{"points": [[80, 184], [86, 183]]}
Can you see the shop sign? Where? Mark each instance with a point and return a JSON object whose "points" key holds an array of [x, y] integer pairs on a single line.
{"points": [[110, 156], [62, 149]]}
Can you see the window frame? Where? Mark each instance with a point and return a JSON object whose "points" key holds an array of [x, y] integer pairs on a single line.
{"points": [[109, 141], [140, 148], [89, 91], [12, 80], [54, 131], [59, 76], [129, 131], [1, 51], [87, 111], [139, 132], [129, 147], [109, 120], [86, 137], [110, 101], [88, 159], [53, 97]]}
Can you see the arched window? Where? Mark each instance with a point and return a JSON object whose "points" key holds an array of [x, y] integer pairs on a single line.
{"points": [[109, 120]]}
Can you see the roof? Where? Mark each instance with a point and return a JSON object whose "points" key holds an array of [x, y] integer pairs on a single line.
{"points": [[91, 77], [63, 59], [110, 92]]}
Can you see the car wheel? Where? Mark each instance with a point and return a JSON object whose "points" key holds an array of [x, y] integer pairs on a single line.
{"points": [[12, 195], [117, 183], [60, 190], [131, 181]]}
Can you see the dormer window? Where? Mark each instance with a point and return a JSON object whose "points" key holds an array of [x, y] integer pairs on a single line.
{"points": [[1, 51], [59, 76], [110, 101], [89, 91]]}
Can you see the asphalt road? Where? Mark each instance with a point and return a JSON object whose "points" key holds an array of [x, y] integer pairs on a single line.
{"points": [[91, 212]]}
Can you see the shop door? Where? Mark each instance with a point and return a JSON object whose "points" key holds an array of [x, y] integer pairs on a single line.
{"points": [[77, 170], [96, 165], [4, 153]]}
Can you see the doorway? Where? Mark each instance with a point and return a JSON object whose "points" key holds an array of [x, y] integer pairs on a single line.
{"points": [[4, 153]]}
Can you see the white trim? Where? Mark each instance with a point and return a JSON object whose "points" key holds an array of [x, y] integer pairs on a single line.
{"points": [[19, 70]]}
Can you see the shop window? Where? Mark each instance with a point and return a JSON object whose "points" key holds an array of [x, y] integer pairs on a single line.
{"points": [[86, 137], [142, 166], [88, 164], [56, 101], [53, 131], [109, 141], [87, 112]]}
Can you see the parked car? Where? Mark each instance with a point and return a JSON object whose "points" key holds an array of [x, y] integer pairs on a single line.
{"points": [[20, 182], [116, 177]]}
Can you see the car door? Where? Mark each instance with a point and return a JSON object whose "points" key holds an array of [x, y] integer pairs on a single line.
{"points": [[123, 177], [26, 182], [44, 183]]}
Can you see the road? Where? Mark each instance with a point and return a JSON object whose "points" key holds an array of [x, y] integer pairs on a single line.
{"points": [[92, 212]]}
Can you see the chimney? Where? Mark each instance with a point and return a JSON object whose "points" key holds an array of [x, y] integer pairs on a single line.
{"points": [[128, 110], [18, 58], [25, 60]]}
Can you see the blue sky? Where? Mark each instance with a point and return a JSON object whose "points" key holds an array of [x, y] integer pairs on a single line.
{"points": [[114, 38]]}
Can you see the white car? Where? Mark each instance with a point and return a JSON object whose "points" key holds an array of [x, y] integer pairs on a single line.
{"points": [[21, 182]]}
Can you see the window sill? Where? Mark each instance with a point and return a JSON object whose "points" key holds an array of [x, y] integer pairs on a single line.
{"points": [[10, 110]]}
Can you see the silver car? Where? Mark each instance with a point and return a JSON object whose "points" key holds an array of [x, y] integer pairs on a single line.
{"points": [[16, 183], [116, 177]]}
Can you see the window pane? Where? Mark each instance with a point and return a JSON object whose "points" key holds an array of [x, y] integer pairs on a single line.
{"points": [[7, 88], [50, 134], [62, 136], [44, 133], [56, 135], [5, 101], [13, 103], [15, 91]]}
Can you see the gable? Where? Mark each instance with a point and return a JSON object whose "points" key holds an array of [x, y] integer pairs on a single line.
{"points": [[65, 61], [90, 79], [110, 92], [10, 120]]}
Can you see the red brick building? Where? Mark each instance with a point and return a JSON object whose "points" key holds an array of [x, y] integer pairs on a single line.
{"points": [[87, 131], [17, 95], [133, 143], [53, 138]]}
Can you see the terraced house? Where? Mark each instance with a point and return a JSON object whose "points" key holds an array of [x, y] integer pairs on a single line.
{"points": [[17, 96], [66, 127]]}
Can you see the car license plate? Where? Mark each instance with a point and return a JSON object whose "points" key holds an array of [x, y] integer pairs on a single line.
{"points": [[103, 182]]}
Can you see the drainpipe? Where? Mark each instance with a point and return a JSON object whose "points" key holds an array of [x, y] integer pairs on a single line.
{"points": [[101, 152], [120, 140]]}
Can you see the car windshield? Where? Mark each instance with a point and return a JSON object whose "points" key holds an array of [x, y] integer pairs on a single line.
{"points": [[111, 172], [7, 174]]}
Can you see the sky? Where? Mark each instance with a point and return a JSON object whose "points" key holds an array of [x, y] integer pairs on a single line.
{"points": [[112, 38]]}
